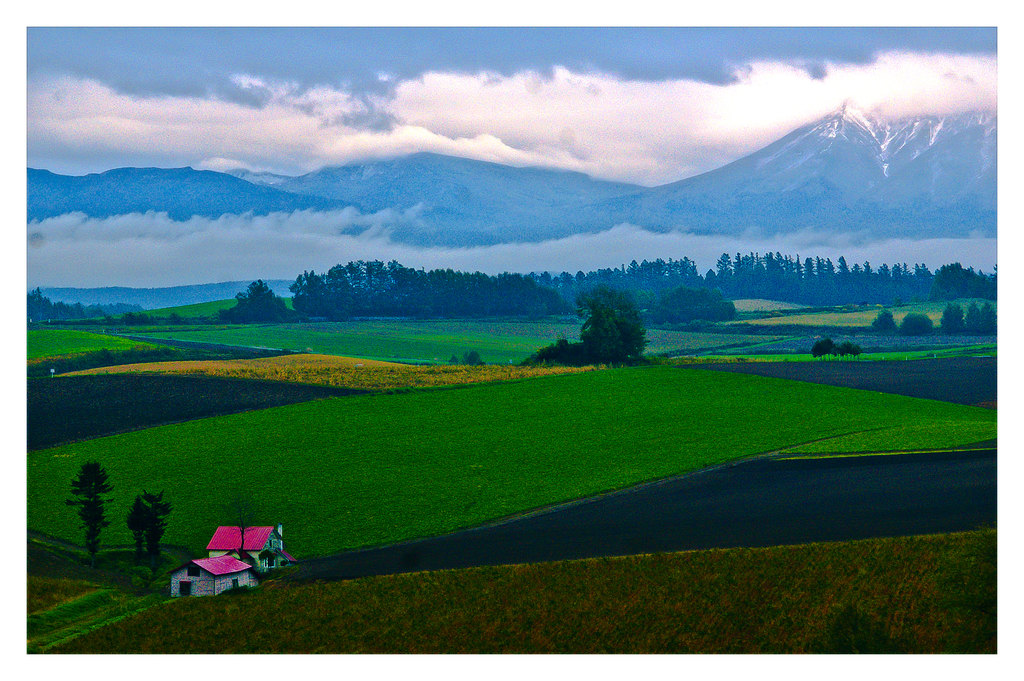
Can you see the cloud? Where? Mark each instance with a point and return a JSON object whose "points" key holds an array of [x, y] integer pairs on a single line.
{"points": [[648, 132], [151, 250]]}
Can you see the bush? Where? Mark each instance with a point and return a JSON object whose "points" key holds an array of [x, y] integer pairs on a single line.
{"points": [[825, 346], [916, 324], [884, 321], [847, 348]]}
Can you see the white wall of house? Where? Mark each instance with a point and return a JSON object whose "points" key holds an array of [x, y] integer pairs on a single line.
{"points": [[206, 584]]}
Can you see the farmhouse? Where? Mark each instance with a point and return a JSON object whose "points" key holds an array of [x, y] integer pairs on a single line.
{"points": [[263, 548], [211, 576]]}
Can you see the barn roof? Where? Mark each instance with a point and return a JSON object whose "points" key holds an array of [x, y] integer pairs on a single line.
{"points": [[222, 565], [226, 538]]}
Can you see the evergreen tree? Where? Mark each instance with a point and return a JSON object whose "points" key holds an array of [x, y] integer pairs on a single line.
{"points": [[89, 487], [952, 319], [138, 516], [157, 511]]}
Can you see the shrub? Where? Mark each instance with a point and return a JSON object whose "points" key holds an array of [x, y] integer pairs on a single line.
{"points": [[916, 324], [884, 321], [847, 348], [825, 346]]}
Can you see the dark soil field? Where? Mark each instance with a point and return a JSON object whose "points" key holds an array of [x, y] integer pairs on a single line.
{"points": [[962, 380], [68, 409], [763, 502]]}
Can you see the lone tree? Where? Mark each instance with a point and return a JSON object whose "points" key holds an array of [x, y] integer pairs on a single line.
{"points": [[612, 331], [242, 509], [138, 515], [157, 511], [89, 488], [257, 303]]}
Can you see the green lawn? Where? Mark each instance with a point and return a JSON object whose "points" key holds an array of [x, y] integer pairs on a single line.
{"points": [[58, 342], [356, 471], [430, 341]]}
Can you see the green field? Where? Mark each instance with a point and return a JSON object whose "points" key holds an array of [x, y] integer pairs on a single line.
{"points": [[430, 341], [861, 317], [986, 350], [208, 309], [356, 471], [926, 594], [60, 342]]}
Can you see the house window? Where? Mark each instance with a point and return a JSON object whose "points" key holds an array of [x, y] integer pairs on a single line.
{"points": [[184, 588], [234, 583], [193, 570]]}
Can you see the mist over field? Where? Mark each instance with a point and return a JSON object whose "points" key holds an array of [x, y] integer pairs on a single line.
{"points": [[152, 250]]}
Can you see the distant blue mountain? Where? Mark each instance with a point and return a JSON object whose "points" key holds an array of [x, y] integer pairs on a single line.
{"points": [[848, 172], [155, 298], [179, 192]]}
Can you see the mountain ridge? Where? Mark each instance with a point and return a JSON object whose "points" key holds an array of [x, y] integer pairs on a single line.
{"points": [[849, 171]]}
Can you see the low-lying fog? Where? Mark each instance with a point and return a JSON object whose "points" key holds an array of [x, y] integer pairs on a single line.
{"points": [[151, 250]]}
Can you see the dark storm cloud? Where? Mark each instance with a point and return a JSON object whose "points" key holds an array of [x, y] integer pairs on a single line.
{"points": [[201, 61]]}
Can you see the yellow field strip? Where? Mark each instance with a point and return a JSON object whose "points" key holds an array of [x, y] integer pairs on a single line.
{"points": [[863, 454], [331, 370]]}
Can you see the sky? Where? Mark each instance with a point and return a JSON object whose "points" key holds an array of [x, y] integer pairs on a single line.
{"points": [[641, 105]]}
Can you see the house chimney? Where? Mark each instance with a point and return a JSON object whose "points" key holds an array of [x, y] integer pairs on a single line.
{"points": [[280, 530]]}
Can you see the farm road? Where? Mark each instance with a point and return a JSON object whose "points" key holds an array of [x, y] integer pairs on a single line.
{"points": [[760, 502], [963, 380]]}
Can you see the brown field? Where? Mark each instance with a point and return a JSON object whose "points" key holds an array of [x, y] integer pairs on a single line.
{"points": [[924, 594], [762, 305], [347, 372]]}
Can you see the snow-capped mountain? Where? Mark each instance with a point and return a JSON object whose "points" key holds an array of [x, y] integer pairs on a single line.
{"points": [[850, 171]]}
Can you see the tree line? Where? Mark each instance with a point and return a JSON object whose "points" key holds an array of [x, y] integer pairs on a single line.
{"points": [[375, 289], [773, 276], [41, 309]]}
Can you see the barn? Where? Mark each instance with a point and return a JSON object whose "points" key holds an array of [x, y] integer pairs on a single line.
{"points": [[211, 576]]}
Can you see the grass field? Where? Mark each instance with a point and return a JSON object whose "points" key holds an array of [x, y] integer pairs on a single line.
{"points": [[924, 594], [962, 351], [861, 317], [208, 309], [364, 470], [45, 343], [433, 341], [347, 372]]}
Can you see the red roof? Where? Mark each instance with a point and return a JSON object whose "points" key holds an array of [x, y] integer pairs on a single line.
{"points": [[222, 565], [286, 555], [226, 538]]}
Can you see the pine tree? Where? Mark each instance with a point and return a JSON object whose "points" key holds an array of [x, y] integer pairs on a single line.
{"points": [[157, 511], [89, 487], [137, 518]]}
